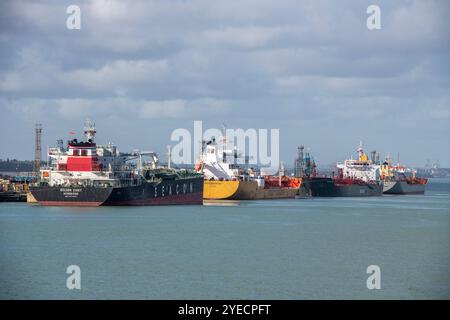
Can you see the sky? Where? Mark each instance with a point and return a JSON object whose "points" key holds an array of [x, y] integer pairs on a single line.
{"points": [[312, 69]]}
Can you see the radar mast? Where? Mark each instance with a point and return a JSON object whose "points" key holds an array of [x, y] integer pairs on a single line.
{"points": [[89, 130]]}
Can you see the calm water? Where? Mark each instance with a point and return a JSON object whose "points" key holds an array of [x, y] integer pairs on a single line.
{"points": [[290, 249]]}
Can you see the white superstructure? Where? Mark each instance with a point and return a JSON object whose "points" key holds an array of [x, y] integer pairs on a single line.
{"points": [[214, 163], [362, 169], [218, 162]]}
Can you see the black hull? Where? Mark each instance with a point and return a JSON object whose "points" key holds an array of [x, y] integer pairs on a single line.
{"points": [[70, 196], [171, 192], [183, 191], [326, 187]]}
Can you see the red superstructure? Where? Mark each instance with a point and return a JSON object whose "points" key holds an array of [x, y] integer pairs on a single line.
{"points": [[79, 156], [82, 156]]}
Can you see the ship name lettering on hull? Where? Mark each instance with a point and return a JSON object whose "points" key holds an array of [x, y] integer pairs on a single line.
{"points": [[70, 193], [168, 189]]}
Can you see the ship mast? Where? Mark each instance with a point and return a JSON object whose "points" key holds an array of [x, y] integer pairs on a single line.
{"points": [[280, 173], [89, 130], [360, 150], [224, 143], [169, 157]]}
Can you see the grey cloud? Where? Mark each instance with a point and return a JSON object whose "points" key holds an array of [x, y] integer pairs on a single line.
{"points": [[310, 68]]}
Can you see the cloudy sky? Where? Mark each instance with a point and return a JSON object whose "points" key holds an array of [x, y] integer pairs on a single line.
{"points": [[141, 69]]}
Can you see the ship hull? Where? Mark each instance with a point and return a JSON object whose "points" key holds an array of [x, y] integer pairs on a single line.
{"points": [[275, 193], [244, 190], [304, 190], [326, 187], [403, 187], [172, 192], [70, 196]]}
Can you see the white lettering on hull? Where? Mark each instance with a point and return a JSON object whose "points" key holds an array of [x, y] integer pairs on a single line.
{"points": [[70, 193]]}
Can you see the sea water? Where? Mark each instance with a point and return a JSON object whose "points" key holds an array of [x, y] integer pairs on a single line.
{"points": [[316, 248]]}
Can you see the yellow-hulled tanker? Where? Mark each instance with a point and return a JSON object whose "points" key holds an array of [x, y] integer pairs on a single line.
{"points": [[227, 181]]}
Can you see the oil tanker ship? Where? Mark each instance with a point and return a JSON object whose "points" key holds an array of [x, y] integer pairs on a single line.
{"points": [[341, 187], [87, 174], [356, 178], [229, 181], [395, 180]]}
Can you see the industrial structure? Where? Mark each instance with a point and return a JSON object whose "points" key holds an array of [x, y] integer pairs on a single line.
{"points": [[299, 163], [38, 148], [304, 165]]}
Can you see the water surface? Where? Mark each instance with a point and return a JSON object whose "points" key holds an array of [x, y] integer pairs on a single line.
{"points": [[275, 249]]}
